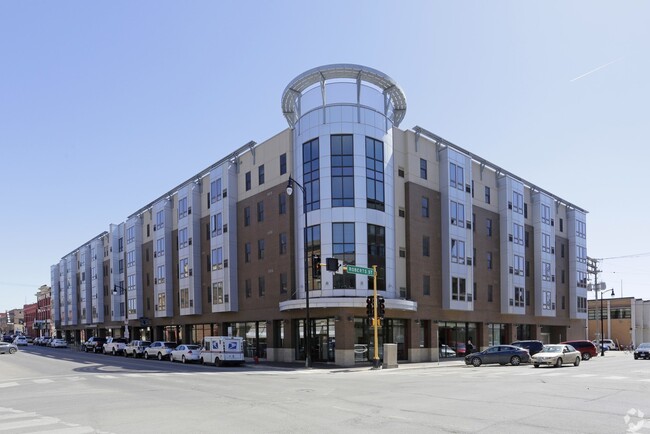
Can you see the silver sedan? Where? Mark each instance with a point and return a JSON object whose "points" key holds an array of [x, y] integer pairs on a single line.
{"points": [[557, 355], [6, 347]]}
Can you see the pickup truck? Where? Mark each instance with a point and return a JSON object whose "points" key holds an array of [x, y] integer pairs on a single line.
{"points": [[94, 344], [114, 346]]}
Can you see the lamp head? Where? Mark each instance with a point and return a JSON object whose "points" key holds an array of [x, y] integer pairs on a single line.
{"points": [[612, 292], [290, 187]]}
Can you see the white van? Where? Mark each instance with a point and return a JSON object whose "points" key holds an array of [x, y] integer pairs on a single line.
{"points": [[219, 350]]}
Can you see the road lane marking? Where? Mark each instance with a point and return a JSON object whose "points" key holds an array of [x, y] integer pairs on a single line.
{"points": [[12, 384], [43, 381], [14, 426], [70, 430]]}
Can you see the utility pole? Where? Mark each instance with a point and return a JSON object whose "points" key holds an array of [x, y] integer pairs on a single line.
{"points": [[592, 268]]}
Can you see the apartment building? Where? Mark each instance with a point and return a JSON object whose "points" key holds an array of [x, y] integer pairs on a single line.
{"points": [[464, 249]]}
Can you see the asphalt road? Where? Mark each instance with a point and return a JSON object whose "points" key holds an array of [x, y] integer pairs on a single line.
{"points": [[47, 390]]}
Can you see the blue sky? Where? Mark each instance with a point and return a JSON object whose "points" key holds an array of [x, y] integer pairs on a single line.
{"points": [[104, 106]]}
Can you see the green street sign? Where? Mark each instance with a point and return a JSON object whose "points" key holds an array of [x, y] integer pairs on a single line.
{"points": [[360, 270]]}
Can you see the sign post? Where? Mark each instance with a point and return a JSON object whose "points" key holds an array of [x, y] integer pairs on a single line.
{"points": [[353, 269]]}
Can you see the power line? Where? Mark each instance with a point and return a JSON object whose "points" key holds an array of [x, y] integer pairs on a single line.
{"points": [[638, 255]]}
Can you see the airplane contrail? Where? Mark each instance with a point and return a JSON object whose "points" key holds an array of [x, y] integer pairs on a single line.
{"points": [[596, 69]]}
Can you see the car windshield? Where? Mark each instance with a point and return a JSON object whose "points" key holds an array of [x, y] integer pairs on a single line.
{"points": [[645, 346], [552, 349], [192, 347]]}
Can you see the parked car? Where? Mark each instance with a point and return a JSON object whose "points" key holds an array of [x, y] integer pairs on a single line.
{"points": [[557, 355], [44, 341], [446, 351], [501, 354], [6, 347], [459, 348], [94, 344], [20, 340], [159, 349], [58, 343], [136, 348], [608, 344], [642, 351], [7, 338], [186, 353], [586, 348], [532, 346], [30, 339]]}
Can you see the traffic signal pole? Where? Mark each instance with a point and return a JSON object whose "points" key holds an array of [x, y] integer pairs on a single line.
{"points": [[375, 320]]}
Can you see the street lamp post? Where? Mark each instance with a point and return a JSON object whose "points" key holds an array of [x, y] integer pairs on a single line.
{"points": [[290, 185], [126, 308], [602, 319]]}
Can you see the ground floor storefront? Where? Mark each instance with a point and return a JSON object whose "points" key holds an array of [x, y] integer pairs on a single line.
{"points": [[344, 340]]}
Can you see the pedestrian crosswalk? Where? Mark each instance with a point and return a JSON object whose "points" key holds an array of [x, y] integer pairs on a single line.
{"points": [[29, 422]]}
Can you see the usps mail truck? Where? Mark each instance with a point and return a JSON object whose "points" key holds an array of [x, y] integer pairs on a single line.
{"points": [[221, 350]]}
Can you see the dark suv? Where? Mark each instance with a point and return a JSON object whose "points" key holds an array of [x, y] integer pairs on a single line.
{"points": [[533, 347], [94, 344], [586, 348]]}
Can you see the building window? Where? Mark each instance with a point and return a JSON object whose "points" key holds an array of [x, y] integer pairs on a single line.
{"points": [[130, 235], [160, 247], [423, 168], [490, 290], [184, 267], [182, 207], [261, 286], [130, 258], [487, 194], [426, 246], [519, 264], [282, 203], [248, 180], [561, 225], [517, 202], [260, 249], [248, 288], [342, 170], [260, 174], [457, 251], [160, 274], [426, 285], [374, 174], [425, 207], [519, 297], [217, 288], [283, 243], [182, 238], [217, 258], [162, 302], [518, 234], [546, 271], [457, 211], [284, 283], [488, 226], [546, 214], [313, 249], [311, 173], [489, 260], [546, 243], [283, 164], [458, 289], [260, 211], [247, 252], [185, 298], [215, 190], [160, 220], [456, 176], [343, 248], [247, 216], [377, 255]]}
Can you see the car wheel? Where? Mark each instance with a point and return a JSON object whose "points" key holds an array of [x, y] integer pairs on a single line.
{"points": [[515, 360], [171, 358], [577, 362], [218, 362], [536, 365], [476, 362], [586, 356], [146, 355], [12, 350], [558, 362], [202, 361], [85, 349], [636, 357], [113, 352], [160, 357], [183, 359]]}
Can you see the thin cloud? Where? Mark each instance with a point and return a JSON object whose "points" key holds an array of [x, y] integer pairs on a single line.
{"points": [[596, 69]]}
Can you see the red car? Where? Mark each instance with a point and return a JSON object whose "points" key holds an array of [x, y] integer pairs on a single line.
{"points": [[586, 348]]}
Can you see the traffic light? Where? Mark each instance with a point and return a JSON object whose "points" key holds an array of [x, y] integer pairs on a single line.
{"points": [[381, 308], [370, 307], [332, 264], [315, 264]]}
